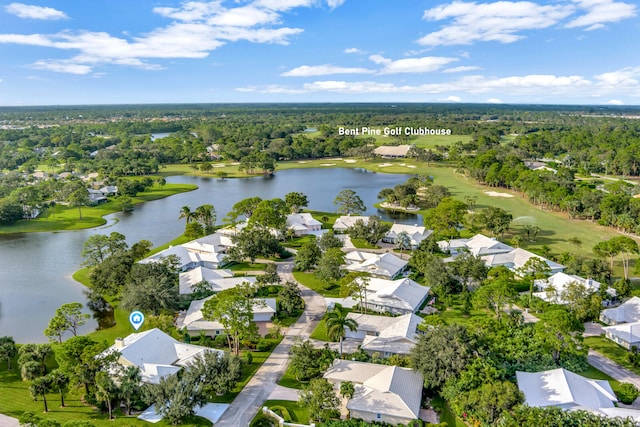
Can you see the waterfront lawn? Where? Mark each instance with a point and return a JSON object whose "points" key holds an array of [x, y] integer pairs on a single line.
{"points": [[321, 287], [330, 216], [62, 217]]}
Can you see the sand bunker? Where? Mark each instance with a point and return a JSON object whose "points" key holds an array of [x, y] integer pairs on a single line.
{"points": [[327, 164], [411, 166], [302, 161], [350, 161], [497, 194], [221, 165], [384, 165]]}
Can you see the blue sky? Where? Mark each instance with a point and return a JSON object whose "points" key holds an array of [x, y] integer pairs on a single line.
{"points": [[116, 51]]}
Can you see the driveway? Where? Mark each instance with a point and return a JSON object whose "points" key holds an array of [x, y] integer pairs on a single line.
{"points": [[7, 421], [263, 383], [611, 368]]}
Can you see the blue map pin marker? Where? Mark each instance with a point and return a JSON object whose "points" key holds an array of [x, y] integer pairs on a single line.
{"points": [[136, 318]]}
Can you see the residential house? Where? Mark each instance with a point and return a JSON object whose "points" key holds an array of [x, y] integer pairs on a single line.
{"points": [[399, 297], [625, 334], [552, 288], [303, 223], [388, 394], [569, 391], [109, 190], [157, 354], [193, 320], [219, 280], [385, 265], [347, 221], [416, 234], [385, 335], [517, 258], [535, 165], [392, 151], [96, 196], [188, 259], [628, 312], [213, 243], [477, 245]]}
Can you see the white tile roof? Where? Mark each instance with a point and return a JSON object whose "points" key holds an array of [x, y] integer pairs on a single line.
{"points": [[416, 234], [186, 256], [302, 219], [477, 245], [560, 281], [386, 265], [201, 274], [348, 221], [516, 259], [388, 390], [393, 334], [401, 294], [562, 388], [627, 312], [156, 354], [213, 243], [627, 332], [194, 320]]}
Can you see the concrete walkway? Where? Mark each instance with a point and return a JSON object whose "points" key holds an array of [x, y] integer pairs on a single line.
{"points": [[284, 393], [7, 421], [611, 368], [263, 383]]}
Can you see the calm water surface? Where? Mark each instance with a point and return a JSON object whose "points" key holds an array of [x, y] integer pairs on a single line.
{"points": [[36, 268]]}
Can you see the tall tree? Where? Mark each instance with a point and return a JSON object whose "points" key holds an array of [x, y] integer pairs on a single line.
{"points": [[328, 268], [233, 308], [39, 388], [321, 400], [296, 201], [307, 256], [349, 203], [403, 241], [59, 382], [8, 350], [187, 214], [106, 391]]}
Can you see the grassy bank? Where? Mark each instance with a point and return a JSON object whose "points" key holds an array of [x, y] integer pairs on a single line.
{"points": [[61, 217]]}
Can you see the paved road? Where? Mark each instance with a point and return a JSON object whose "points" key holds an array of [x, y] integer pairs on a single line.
{"points": [[259, 388], [611, 368]]}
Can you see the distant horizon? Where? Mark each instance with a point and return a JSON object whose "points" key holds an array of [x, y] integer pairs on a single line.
{"points": [[390, 104], [112, 52]]}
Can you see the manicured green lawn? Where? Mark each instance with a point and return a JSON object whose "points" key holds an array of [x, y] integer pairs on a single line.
{"points": [[612, 350], [363, 244], [67, 218], [245, 266], [310, 281], [298, 413], [15, 399], [446, 416], [289, 380]]}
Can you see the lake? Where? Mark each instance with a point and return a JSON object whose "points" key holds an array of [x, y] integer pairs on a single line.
{"points": [[37, 267]]}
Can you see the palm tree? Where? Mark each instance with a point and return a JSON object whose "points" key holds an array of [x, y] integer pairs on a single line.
{"points": [[403, 241], [206, 214], [40, 387], [187, 214], [59, 381], [336, 322], [8, 350]]}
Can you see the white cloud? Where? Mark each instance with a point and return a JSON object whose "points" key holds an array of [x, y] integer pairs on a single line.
{"points": [[453, 98], [26, 11], [198, 28], [628, 77], [615, 102], [335, 3], [461, 69], [62, 67], [352, 50], [494, 101], [526, 85], [599, 12], [501, 21], [425, 64], [323, 70]]}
